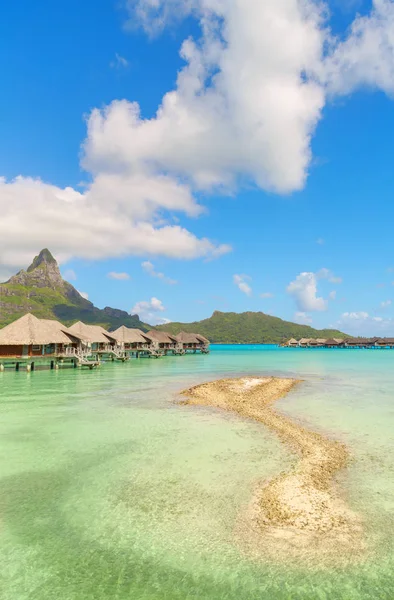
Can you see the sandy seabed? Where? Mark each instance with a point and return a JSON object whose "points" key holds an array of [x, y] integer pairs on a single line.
{"points": [[300, 514]]}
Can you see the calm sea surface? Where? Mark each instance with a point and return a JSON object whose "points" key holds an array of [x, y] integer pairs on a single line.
{"points": [[109, 490]]}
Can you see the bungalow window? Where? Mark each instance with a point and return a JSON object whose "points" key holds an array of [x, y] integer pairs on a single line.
{"points": [[36, 348]]}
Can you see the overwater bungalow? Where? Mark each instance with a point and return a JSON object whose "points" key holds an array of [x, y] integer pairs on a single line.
{"points": [[100, 341], [335, 343], [131, 339], [193, 342], [304, 342], [385, 343], [163, 342], [360, 342], [29, 339], [293, 343]]}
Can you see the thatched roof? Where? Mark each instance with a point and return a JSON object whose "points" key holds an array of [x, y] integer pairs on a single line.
{"points": [[359, 341], [29, 330], [130, 336], [162, 337], [292, 341], [305, 340], [191, 338], [92, 333], [321, 340], [334, 342]]}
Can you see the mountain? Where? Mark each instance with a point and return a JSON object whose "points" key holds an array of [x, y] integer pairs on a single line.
{"points": [[42, 291], [249, 328]]}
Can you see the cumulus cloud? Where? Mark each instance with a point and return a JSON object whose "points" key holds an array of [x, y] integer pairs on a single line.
{"points": [[241, 283], [366, 56], [83, 294], [248, 100], [118, 276], [149, 310], [76, 224], [150, 269], [244, 109], [245, 104], [333, 295], [304, 291], [302, 318]]}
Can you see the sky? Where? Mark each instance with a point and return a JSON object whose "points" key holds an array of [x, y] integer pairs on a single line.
{"points": [[184, 156]]}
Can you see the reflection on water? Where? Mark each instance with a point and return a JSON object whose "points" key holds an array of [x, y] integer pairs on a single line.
{"points": [[109, 490]]}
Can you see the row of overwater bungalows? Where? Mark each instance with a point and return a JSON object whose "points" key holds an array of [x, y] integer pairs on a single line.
{"points": [[341, 343], [30, 340]]}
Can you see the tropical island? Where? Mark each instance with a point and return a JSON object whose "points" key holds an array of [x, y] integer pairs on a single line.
{"points": [[41, 291]]}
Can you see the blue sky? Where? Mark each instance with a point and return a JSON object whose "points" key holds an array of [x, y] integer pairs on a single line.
{"points": [[265, 183]]}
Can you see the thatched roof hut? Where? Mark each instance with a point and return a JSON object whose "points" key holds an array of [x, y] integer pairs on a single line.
{"points": [[126, 335], [292, 342], [28, 330], [334, 342], [95, 334], [191, 338]]}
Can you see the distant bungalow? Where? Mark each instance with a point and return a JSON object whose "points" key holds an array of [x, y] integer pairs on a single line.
{"points": [[341, 343], [30, 341], [193, 342]]}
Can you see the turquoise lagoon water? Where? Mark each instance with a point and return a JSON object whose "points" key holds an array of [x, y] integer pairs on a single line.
{"points": [[110, 490]]}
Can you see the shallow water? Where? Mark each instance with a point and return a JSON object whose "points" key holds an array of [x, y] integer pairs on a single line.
{"points": [[109, 490]]}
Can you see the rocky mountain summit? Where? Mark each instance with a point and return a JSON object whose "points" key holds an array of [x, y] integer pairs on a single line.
{"points": [[43, 273], [41, 290]]}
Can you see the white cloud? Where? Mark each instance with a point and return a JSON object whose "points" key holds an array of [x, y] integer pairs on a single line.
{"points": [[302, 318], [386, 303], [69, 275], [244, 109], [118, 276], [150, 269], [119, 62], [86, 225], [366, 56], [363, 324], [333, 295], [83, 294], [245, 104], [304, 291], [266, 295], [241, 282], [148, 310], [252, 91]]}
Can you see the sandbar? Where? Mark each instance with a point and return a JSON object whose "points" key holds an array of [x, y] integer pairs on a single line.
{"points": [[302, 513]]}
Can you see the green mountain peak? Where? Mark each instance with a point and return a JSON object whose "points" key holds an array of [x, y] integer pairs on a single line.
{"points": [[44, 257], [42, 291]]}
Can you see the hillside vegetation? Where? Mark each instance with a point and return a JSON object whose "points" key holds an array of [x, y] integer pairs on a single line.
{"points": [[249, 328]]}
